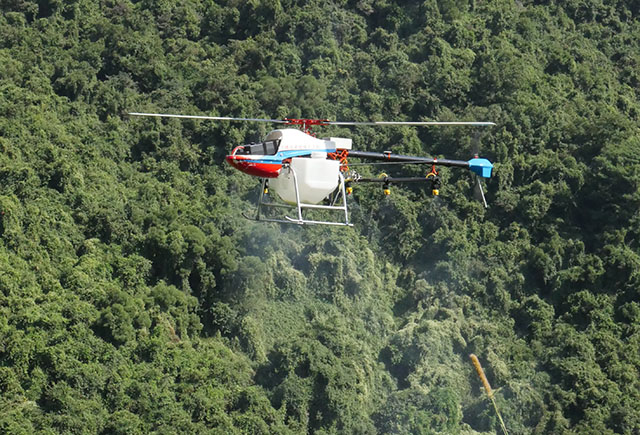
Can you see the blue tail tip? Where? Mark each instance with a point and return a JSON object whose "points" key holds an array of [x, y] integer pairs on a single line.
{"points": [[481, 167]]}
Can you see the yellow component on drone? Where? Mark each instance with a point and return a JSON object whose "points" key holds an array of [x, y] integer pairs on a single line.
{"points": [[386, 189], [434, 192]]}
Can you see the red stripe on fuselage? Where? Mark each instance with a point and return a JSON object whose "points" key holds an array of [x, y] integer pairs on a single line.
{"points": [[252, 167]]}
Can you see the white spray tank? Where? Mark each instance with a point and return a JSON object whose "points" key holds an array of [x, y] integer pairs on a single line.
{"points": [[317, 176]]}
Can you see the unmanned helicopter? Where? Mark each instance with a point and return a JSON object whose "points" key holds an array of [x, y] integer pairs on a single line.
{"points": [[306, 172]]}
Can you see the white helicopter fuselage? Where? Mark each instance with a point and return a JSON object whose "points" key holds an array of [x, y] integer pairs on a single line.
{"points": [[297, 164]]}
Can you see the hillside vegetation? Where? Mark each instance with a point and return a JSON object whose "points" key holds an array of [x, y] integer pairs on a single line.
{"points": [[134, 298]]}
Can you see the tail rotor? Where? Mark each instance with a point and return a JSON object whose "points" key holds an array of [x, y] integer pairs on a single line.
{"points": [[478, 191]]}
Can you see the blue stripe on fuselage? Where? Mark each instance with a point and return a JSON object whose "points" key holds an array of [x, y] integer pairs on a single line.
{"points": [[279, 157]]}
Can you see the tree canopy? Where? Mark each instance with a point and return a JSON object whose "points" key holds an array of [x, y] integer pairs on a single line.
{"points": [[134, 298]]}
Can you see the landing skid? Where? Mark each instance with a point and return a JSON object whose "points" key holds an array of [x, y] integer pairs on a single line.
{"points": [[338, 204]]}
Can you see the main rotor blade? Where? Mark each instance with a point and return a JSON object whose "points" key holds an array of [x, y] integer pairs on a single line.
{"points": [[314, 122], [417, 123], [217, 118]]}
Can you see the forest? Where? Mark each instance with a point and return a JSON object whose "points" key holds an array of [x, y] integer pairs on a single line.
{"points": [[136, 299]]}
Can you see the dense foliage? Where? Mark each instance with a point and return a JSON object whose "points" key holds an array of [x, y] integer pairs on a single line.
{"points": [[135, 299]]}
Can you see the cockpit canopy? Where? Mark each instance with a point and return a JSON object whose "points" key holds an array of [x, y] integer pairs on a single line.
{"points": [[291, 139], [266, 148]]}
